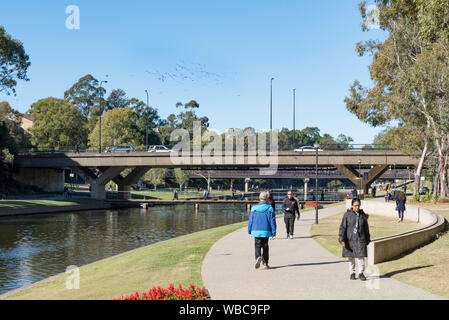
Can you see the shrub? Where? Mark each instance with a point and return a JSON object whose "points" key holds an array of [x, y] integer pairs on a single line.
{"points": [[192, 293]]}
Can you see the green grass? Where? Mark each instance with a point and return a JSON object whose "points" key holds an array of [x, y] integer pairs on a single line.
{"points": [[168, 195], [9, 204], [177, 260], [425, 267], [326, 232]]}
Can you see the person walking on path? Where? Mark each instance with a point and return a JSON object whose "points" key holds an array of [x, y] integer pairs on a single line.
{"points": [[400, 206], [290, 208], [271, 201], [354, 237], [262, 226]]}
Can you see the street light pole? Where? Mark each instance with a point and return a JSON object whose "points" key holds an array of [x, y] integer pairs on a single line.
{"points": [[316, 182], [360, 176], [271, 104], [146, 124], [294, 90], [101, 111]]}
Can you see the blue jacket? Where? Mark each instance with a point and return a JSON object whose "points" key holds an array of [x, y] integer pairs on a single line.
{"points": [[262, 221], [400, 204]]}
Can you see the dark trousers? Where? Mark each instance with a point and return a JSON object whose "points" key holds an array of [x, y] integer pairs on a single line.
{"points": [[289, 225], [401, 214], [261, 244]]}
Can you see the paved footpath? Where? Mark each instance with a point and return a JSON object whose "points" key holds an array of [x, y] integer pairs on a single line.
{"points": [[300, 269]]}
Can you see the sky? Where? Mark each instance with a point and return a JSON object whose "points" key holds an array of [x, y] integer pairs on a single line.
{"points": [[220, 53]]}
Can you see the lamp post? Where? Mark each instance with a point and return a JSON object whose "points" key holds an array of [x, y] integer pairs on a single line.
{"points": [[360, 176], [101, 111], [316, 145], [146, 124], [271, 104], [294, 91]]}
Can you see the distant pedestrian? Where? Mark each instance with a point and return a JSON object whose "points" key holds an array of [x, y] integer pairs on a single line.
{"points": [[232, 194], [205, 194], [374, 191], [290, 208], [242, 197], [354, 237], [175, 195], [354, 193], [262, 226], [66, 192], [322, 195], [387, 195], [400, 206], [271, 201]]}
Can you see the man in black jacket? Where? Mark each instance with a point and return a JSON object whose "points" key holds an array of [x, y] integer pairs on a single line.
{"points": [[290, 208], [354, 237]]}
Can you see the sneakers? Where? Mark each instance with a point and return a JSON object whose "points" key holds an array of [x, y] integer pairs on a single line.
{"points": [[258, 261], [291, 237], [288, 236], [266, 266], [362, 277], [352, 277]]}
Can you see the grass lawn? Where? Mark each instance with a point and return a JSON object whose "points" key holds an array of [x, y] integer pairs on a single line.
{"points": [[26, 203], [168, 195], [177, 260], [425, 267]]}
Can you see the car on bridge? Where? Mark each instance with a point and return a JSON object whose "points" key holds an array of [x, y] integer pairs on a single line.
{"points": [[159, 148], [121, 149], [306, 148]]}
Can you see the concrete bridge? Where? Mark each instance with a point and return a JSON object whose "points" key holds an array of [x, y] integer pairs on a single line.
{"points": [[45, 170]]}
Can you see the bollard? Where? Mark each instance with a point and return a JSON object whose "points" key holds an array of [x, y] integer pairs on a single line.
{"points": [[418, 214]]}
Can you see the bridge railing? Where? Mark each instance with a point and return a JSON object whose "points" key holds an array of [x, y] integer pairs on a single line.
{"points": [[323, 147]]}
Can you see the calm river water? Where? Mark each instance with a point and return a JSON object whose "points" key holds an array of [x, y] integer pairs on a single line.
{"points": [[36, 247]]}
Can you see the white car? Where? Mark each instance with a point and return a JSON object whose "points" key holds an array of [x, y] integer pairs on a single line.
{"points": [[307, 148], [159, 148]]}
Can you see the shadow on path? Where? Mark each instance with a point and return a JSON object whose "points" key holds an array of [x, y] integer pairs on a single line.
{"points": [[306, 264], [392, 273]]}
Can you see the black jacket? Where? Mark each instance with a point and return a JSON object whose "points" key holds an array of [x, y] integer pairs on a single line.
{"points": [[355, 243], [292, 205]]}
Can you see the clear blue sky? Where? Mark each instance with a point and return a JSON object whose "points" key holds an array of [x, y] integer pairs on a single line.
{"points": [[220, 53]]}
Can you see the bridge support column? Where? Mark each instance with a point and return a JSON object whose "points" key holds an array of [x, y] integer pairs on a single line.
{"points": [[124, 184], [354, 175], [49, 180], [247, 180], [306, 182], [99, 184]]}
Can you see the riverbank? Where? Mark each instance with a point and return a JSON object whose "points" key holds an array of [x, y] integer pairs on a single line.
{"points": [[27, 207]]}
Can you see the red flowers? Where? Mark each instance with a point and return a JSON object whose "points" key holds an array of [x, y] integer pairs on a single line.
{"points": [[192, 293]]}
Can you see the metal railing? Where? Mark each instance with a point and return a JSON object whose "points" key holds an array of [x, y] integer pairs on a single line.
{"points": [[325, 147]]}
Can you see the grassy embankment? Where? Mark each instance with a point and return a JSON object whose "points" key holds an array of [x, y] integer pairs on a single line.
{"points": [[425, 267]]}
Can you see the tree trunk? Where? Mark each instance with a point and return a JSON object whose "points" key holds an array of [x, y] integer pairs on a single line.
{"points": [[418, 172]]}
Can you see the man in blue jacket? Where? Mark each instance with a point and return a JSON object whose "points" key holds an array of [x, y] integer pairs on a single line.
{"points": [[262, 226]]}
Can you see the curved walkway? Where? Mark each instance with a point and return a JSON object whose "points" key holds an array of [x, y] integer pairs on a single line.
{"points": [[300, 269]]}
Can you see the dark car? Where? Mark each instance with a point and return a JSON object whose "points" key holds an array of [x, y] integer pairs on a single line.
{"points": [[424, 190], [121, 149]]}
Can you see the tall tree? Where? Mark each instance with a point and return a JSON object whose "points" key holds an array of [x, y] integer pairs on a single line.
{"points": [[117, 99], [182, 176], [58, 124], [117, 127], [14, 62], [86, 94]]}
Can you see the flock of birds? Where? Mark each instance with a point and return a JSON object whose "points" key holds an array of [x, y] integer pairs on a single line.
{"points": [[183, 72]]}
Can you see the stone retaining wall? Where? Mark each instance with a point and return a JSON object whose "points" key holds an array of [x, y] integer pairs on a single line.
{"points": [[387, 248]]}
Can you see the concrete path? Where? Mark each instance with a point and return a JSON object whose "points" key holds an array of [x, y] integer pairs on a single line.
{"points": [[300, 269]]}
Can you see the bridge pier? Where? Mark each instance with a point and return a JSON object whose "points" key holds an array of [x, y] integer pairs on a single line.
{"points": [[124, 184], [47, 179], [99, 184], [354, 175]]}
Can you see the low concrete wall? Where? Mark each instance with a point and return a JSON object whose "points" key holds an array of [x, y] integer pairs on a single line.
{"points": [[52, 209], [387, 248]]}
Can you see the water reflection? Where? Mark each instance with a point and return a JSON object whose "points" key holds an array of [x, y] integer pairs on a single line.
{"points": [[39, 246]]}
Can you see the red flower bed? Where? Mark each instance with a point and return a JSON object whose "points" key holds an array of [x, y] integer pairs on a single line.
{"points": [[192, 293]]}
